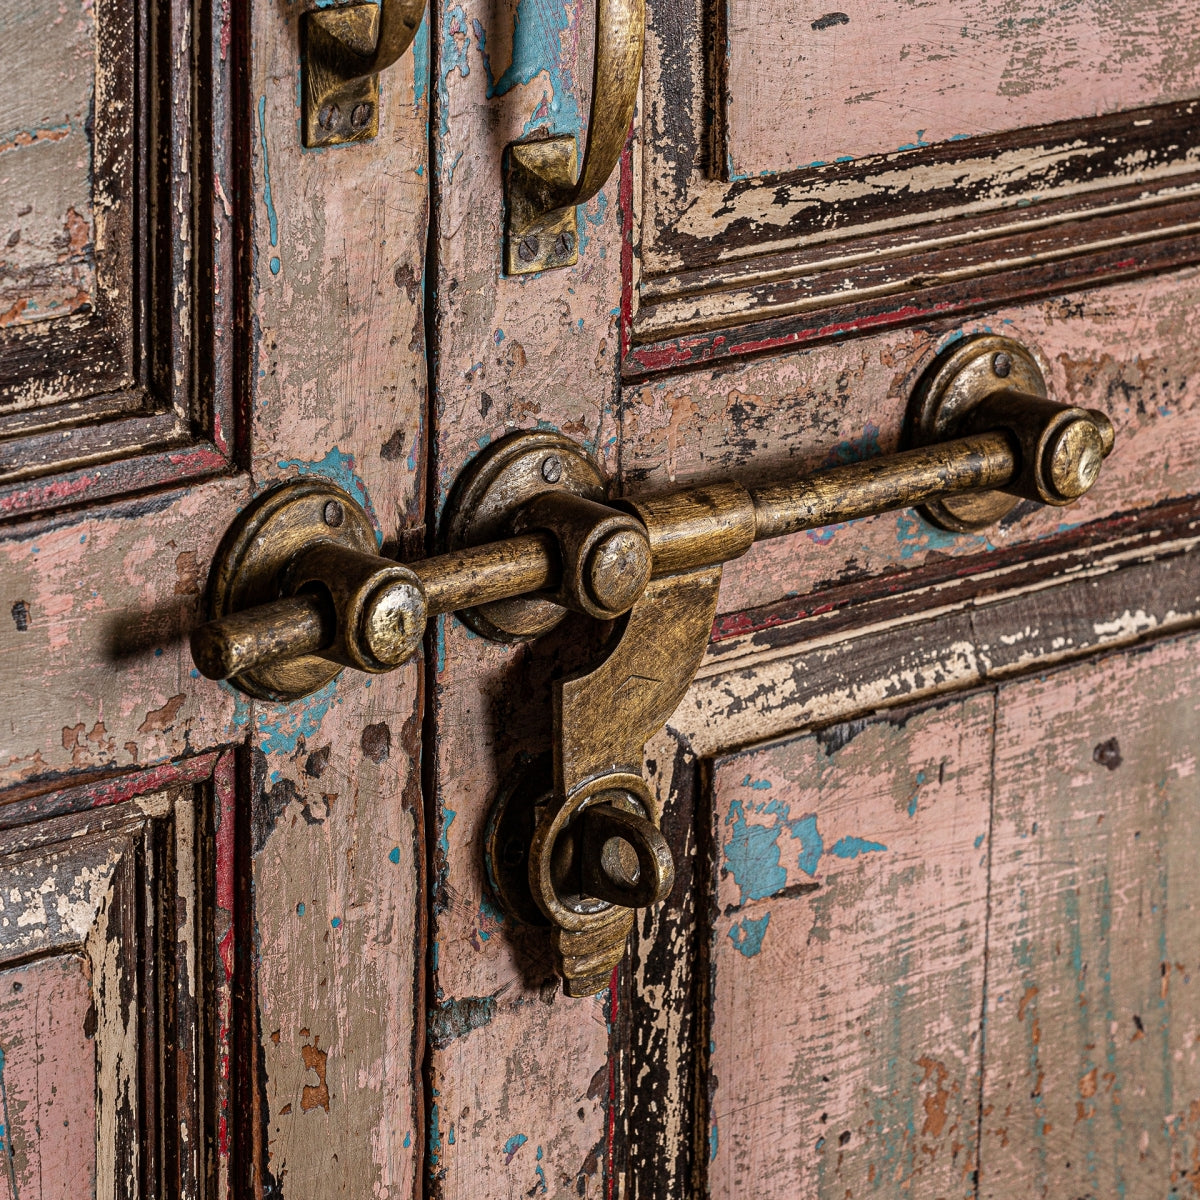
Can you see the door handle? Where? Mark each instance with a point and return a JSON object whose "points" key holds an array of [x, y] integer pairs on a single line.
{"points": [[298, 592], [542, 189], [345, 50]]}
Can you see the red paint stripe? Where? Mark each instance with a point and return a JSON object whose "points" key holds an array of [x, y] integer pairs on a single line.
{"points": [[625, 194], [130, 475]]}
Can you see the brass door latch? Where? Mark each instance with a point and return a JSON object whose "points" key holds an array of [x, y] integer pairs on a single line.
{"points": [[298, 592]]}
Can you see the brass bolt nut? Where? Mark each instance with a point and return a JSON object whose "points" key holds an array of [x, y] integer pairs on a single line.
{"points": [[393, 621], [1072, 459], [618, 570]]}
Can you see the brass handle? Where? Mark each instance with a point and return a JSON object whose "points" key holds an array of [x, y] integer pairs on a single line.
{"points": [[541, 186], [345, 50]]}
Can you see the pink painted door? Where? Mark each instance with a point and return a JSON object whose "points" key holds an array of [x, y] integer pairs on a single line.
{"points": [[210, 907], [929, 793]]}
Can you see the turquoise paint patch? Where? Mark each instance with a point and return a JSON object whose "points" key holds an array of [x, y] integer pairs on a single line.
{"points": [[513, 1144], [852, 847], [752, 856], [272, 217], [812, 845], [915, 797], [339, 467], [856, 449], [241, 706], [714, 1140], [408, 1139], [916, 537], [420, 52], [979, 840], [300, 909], [747, 935], [336, 922], [758, 785], [394, 854], [275, 265], [281, 726]]}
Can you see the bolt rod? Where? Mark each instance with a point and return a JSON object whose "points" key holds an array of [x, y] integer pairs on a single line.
{"points": [[518, 566]]}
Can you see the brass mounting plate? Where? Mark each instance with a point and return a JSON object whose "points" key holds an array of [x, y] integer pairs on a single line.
{"points": [[338, 110], [538, 237], [259, 546], [960, 378], [505, 476]]}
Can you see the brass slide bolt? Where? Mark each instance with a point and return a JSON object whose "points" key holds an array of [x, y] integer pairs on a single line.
{"points": [[296, 596]]}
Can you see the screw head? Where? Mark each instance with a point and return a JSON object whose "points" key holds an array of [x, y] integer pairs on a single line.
{"points": [[1001, 365], [361, 115], [1073, 458], [552, 468], [328, 116], [618, 570], [334, 513], [564, 243], [527, 251]]}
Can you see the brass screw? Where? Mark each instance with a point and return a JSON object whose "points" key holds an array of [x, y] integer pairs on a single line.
{"points": [[361, 115], [1002, 365], [564, 244], [618, 569], [334, 513], [527, 251], [552, 468], [327, 117], [1073, 457]]}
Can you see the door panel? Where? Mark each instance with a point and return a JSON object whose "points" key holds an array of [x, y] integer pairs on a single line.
{"points": [[1092, 1077], [878, 77], [847, 963]]}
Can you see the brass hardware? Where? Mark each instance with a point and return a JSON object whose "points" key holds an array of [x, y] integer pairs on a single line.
{"points": [[345, 49], [992, 382], [541, 187], [299, 591]]}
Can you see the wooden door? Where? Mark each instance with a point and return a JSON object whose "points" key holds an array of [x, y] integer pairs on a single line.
{"points": [[929, 794], [210, 930]]}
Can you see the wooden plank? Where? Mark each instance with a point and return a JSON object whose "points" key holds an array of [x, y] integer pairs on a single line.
{"points": [[1092, 1079], [336, 837], [847, 959], [873, 77], [47, 80], [47, 1081]]}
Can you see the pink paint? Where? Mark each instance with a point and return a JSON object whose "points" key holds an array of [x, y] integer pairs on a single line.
{"points": [[47, 1082], [874, 77]]}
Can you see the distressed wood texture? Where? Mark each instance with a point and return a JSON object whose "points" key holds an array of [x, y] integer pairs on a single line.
{"points": [[46, 93], [118, 249], [519, 1076], [1043, 197], [875, 77], [716, 1028], [110, 1082], [1092, 1076], [848, 959], [338, 859]]}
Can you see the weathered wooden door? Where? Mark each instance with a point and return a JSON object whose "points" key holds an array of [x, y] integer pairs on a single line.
{"points": [[210, 907], [930, 795]]}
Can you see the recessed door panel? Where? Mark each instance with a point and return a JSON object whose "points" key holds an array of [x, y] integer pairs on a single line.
{"points": [[877, 76]]}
